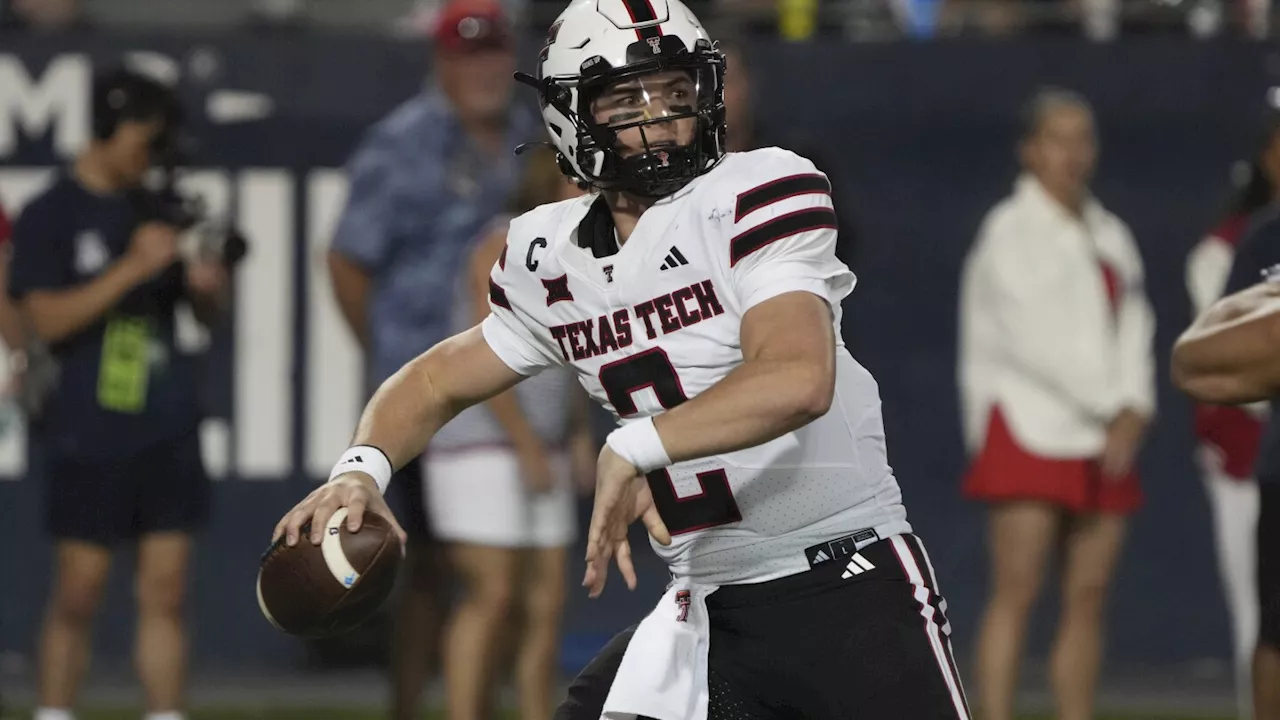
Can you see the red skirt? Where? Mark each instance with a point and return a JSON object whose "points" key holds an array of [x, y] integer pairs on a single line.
{"points": [[1003, 470]]}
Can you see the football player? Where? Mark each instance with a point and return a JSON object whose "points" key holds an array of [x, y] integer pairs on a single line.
{"points": [[696, 294]]}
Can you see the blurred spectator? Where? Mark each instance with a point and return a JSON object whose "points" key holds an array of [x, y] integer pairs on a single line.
{"points": [[278, 13], [45, 15], [501, 492], [1229, 436], [424, 183], [1057, 383], [744, 133], [99, 282], [424, 15]]}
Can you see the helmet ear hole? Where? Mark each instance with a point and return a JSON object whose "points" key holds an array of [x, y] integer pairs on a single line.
{"points": [[560, 97]]}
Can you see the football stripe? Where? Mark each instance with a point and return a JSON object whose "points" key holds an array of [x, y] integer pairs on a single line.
{"points": [[778, 228], [778, 190], [262, 605], [331, 546]]}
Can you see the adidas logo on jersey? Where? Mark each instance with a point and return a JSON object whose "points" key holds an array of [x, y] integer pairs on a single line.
{"points": [[857, 565], [822, 556], [674, 259]]}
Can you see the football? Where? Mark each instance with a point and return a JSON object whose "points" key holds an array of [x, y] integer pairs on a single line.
{"points": [[331, 588]]}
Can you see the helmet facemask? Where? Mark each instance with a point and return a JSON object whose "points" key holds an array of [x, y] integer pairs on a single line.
{"points": [[650, 127]]}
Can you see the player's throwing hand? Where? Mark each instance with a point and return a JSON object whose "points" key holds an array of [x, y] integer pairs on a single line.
{"points": [[355, 491], [622, 496]]}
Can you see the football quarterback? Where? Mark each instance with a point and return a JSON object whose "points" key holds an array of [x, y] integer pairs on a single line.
{"points": [[696, 294]]}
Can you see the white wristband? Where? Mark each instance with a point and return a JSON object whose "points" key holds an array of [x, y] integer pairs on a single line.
{"points": [[638, 443], [366, 459]]}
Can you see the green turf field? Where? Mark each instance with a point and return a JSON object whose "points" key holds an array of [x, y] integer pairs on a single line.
{"points": [[273, 713]]}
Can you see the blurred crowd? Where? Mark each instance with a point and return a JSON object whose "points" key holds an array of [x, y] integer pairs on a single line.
{"points": [[798, 20]]}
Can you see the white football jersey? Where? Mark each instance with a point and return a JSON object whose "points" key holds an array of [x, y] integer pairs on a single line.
{"points": [[658, 322]]}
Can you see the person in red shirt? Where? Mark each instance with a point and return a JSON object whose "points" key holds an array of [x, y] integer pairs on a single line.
{"points": [[1229, 436]]}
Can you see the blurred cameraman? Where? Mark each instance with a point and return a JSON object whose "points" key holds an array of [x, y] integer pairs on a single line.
{"points": [[98, 277]]}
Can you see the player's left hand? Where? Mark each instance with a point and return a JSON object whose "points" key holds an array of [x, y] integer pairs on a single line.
{"points": [[622, 495]]}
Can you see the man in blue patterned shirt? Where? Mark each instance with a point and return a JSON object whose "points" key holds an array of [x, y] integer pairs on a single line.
{"points": [[423, 183]]}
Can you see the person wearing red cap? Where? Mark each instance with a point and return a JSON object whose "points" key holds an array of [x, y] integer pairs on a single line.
{"points": [[424, 183]]}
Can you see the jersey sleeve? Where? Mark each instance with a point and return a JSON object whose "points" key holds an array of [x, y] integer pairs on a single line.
{"points": [[512, 331], [783, 232]]}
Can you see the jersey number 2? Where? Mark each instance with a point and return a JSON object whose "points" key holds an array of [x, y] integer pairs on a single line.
{"points": [[714, 505]]}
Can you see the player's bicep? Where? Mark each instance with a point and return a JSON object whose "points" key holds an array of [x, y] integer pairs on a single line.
{"points": [[795, 326], [465, 370], [791, 338]]}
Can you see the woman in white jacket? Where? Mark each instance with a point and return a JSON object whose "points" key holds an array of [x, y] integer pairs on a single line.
{"points": [[1056, 376]]}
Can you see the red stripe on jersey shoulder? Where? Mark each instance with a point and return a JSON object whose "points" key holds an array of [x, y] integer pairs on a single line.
{"points": [[778, 190], [783, 226]]}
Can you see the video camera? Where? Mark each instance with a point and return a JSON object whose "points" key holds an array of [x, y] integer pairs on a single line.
{"points": [[120, 95]]}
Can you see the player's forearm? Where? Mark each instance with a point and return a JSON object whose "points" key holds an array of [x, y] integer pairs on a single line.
{"points": [[757, 402], [405, 413], [55, 315], [1230, 357]]}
